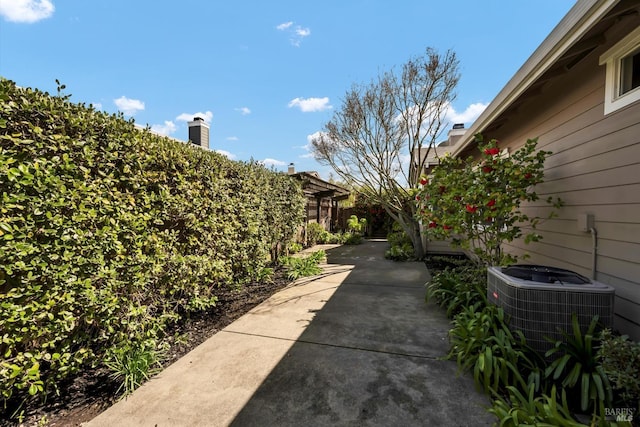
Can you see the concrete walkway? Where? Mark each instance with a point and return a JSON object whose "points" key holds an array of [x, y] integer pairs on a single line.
{"points": [[356, 346]]}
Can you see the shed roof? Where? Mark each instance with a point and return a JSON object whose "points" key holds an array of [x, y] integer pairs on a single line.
{"points": [[313, 185]]}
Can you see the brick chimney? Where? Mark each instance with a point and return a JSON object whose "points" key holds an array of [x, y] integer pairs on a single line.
{"points": [[199, 132]]}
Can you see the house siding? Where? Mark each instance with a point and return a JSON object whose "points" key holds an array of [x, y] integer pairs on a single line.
{"points": [[594, 169]]}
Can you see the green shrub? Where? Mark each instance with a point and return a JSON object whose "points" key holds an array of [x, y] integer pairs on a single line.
{"points": [[306, 266], [401, 248], [108, 233], [352, 238], [355, 225], [330, 238], [315, 233], [294, 247], [620, 361]]}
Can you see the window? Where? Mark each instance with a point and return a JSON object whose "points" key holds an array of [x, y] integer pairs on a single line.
{"points": [[630, 72], [622, 86]]}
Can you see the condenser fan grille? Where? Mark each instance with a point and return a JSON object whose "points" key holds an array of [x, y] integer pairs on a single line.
{"points": [[541, 309]]}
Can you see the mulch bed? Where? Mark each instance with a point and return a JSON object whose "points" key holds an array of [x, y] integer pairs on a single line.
{"points": [[88, 394], [440, 262]]}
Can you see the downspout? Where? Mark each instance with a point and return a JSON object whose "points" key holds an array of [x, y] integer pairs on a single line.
{"points": [[594, 251]]}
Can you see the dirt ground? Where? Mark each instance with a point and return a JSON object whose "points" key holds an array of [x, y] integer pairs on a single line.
{"points": [[88, 394]]}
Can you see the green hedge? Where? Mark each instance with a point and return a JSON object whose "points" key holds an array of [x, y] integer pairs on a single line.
{"points": [[108, 233]]}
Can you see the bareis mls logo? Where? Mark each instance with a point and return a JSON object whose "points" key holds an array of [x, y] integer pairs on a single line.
{"points": [[620, 414]]}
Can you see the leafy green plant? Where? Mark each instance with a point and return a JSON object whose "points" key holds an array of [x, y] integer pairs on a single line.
{"points": [[265, 275], [356, 225], [576, 367], [620, 361], [314, 233], [530, 409], [132, 364], [459, 287], [327, 237], [294, 247], [482, 342], [401, 247], [303, 266], [352, 238]]}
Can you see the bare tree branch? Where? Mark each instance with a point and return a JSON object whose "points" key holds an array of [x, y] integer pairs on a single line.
{"points": [[370, 141]]}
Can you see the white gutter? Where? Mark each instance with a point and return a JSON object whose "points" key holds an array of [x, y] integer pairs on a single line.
{"points": [[580, 19]]}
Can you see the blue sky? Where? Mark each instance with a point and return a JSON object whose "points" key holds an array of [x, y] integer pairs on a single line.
{"points": [[266, 75]]}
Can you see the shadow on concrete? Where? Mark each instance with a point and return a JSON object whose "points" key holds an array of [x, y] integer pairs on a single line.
{"points": [[370, 356]]}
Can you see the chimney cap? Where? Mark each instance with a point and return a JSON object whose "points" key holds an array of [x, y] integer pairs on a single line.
{"points": [[458, 126]]}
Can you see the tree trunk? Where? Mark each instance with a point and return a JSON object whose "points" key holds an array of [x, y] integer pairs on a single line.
{"points": [[416, 240], [411, 227]]}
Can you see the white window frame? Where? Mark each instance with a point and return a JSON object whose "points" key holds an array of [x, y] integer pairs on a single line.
{"points": [[613, 58]]}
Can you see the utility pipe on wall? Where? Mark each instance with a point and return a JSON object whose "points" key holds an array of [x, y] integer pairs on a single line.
{"points": [[586, 223], [594, 251]]}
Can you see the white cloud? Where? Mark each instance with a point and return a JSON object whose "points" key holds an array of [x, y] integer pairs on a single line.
{"points": [[297, 33], [232, 138], [129, 106], [243, 110], [469, 115], [284, 25], [272, 162], [165, 129], [312, 137], [187, 117], [302, 32], [227, 154], [97, 106], [310, 105], [27, 11]]}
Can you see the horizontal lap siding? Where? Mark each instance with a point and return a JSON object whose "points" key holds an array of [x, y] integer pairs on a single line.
{"points": [[594, 169]]}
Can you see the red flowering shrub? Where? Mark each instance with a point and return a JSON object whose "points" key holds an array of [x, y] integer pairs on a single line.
{"points": [[479, 201]]}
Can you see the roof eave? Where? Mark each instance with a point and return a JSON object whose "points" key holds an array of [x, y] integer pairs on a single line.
{"points": [[582, 16]]}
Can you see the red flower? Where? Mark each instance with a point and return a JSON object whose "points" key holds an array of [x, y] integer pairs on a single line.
{"points": [[447, 227], [471, 209], [424, 181], [487, 169], [433, 224], [442, 189], [528, 175], [417, 197], [491, 202], [492, 151]]}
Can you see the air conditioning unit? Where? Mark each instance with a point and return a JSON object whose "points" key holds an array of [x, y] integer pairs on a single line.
{"points": [[539, 300]]}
